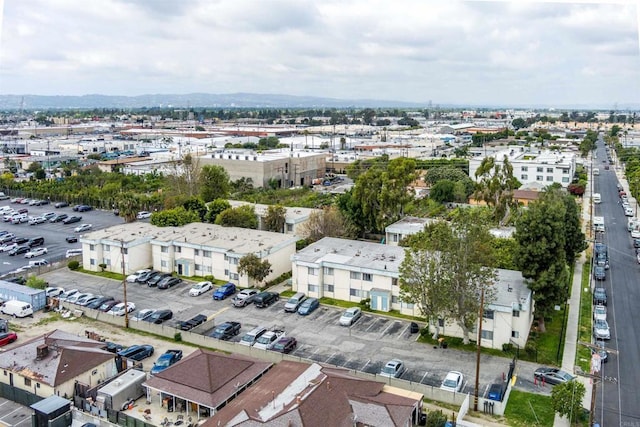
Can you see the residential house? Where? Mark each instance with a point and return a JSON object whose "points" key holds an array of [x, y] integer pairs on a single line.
{"points": [[299, 394], [195, 249], [352, 271], [52, 364], [204, 382]]}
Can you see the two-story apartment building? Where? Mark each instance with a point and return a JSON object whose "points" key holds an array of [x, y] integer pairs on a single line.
{"points": [[196, 249], [294, 217], [351, 270]]}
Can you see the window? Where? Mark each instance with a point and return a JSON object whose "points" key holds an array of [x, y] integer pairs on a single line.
{"points": [[27, 382], [487, 335], [289, 227], [328, 271], [565, 171], [106, 261], [232, 261], [355, 275], [515, 334], [409, 306], [329, 288], [198, 267], [226, 272], [525, 169], [37, 385], [549, 178], [208, 255], [313, 288], [539, 169], [312, 271], [488, 314], [549, 170], [92, 247], [163, 264], [515, 313], [394, 281], [355, 292], [538, 177], [196, 252], [125, 251], [233, 276], [367, 277], [106, 248], [394, 237], [92, 261], [565, 179], [207, 269], [524, 176], [441, 323], [164, 249], [178, 249], [394, 299]]}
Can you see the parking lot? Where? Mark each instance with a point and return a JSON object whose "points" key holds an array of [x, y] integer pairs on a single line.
{"points": [[54, 233], [366, 346]]}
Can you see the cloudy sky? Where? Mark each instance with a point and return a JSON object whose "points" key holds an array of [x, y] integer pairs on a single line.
{"points": [[444, 51]]}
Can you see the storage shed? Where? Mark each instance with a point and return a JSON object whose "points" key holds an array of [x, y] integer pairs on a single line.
{"points": [[53, 411], [13, 291]]}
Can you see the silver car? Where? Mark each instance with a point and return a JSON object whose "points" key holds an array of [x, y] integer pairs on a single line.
{"points": [[601, 330], [350, 316]]}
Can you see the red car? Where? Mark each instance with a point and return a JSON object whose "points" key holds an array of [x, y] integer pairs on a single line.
{"points": [[8, 338]]}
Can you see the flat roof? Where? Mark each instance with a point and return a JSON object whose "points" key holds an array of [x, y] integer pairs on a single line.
{"points": [[293, 214]]}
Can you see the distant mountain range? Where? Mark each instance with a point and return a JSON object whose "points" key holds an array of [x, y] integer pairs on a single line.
{"points": [[248, 100]]}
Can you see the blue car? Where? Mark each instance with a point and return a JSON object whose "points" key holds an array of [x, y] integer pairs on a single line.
{"points": [[224, 291], [308, 306]]}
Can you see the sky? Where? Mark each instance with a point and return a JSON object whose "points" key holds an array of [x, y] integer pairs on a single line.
{"points": [[440, 51]]}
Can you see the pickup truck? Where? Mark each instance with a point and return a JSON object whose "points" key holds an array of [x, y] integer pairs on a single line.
{"points": [[268, 339], [196, 320], [226, 330], [165, 360]]}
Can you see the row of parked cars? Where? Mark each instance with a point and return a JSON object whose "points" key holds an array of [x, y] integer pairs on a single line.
{"points": [[154, 278]]}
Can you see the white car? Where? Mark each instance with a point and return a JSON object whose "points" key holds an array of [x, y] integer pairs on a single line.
{"points": [[118, 309], [142, 314], [53, 291], [200, 288], [8, 246], [35, 252], [350, 316], [143, 215], [635, 234], [132, 277], [83, 227], [628, 211], [453, 382], [599, 312], [37, 220]]}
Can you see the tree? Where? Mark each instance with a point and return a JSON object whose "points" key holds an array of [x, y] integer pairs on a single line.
{"points": [[252, 266], [36, 282], [40, 174], [495, 187], [575, 240], [214, 208], [519, 123], [443, 191], [214, 183], [242, 216], [274, 219], [127, 204], [195, 204], [566, 399], [184, 180], [329, 222], [175, 217]]}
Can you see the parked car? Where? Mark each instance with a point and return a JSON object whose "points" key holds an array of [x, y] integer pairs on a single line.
{"points": [[600, 296], [196, 320], [86, 299], [225, 331], [18, 250], [285, 345], [602, 352], [53, 291], [83, 227], [8, 237], [67, 294], [599, 312], [224, 291], [160, 316], [82, 208], [495, 392], [21, 241], [59, 218], [113, 347], [133, 277], [244, 297], [143, 215], [393, 369], [168, 282], [40, 220], [552, 376], [8, 338], [137, 352], [268, 339], [48, 215], [8, 246], [72, 219], [95, 304], [599, 273], [453, 381], [308, 306], [200, 288], [601, 330], [142, 315], [165, 360], [265, 299], [153, 281], [61, 205], [292, 305], [144, 277], [35, 252], [350, 316], [108, 305], [71, 239], [118, 309]]}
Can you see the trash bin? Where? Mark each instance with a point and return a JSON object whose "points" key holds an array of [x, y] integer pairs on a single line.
{"points": [[414, 328], [444, 344]]}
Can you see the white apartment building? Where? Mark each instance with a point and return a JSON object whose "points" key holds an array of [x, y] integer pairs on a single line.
{"points": [[294, 217], [533, 165], [352, 270], [196, 249], [407, 226]]}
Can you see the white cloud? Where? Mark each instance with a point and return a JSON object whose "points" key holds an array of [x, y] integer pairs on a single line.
{"points": [[412, 50]]}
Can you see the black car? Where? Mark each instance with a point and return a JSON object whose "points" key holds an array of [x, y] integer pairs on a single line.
{"points": [[285, 345], [225, 331], [72, 219], [157, 278], [168, 282], [599, 296], [82, 208], [137, 352], [20, 240], [113, 347], [61, 205], [59, 218], [196, 320], [265, 299], [20, 280], [144, 277], [71, 239], [19, 250], [98, 302], [160, 316]]}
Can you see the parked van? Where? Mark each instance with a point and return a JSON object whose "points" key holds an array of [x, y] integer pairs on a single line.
{"points": [[73, 252], [16, 308], [596, 198], [252, 336], [35, 241], [294, 302], [596, 171]]}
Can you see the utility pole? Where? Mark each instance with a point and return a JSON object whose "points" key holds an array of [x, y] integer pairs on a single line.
{"points": [[478, 348], [596, 365], [124, 287]]}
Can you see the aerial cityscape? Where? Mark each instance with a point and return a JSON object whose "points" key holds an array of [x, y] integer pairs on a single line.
{"points": [[310, 213]]}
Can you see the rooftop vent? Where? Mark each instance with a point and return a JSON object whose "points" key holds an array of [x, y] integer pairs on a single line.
{"points": [[42, 351]]}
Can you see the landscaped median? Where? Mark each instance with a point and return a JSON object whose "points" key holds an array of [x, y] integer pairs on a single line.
{"points": [[583, 354]]}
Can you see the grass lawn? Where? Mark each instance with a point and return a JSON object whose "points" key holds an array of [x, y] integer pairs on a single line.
{"points": [[583, 354], [529, 410]]}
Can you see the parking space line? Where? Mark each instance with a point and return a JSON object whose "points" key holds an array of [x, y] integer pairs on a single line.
{"points": [[403, 331], [6, 415], [372, 325], [347, 361], [365, 365], [4, 403], [387, 328], [222, 310], [424, 376], [23, 420], [327, 361]]}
